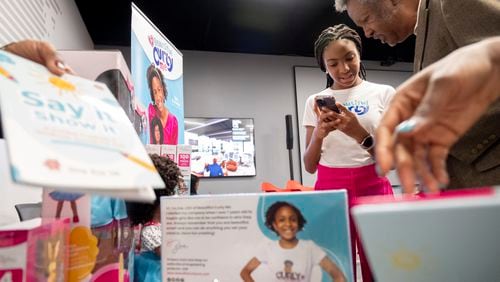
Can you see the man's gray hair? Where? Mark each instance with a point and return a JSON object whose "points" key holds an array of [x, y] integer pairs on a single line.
{"points": [[341, 5]]}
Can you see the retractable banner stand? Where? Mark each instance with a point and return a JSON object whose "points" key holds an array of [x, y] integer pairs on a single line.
{"points": [[157, 74]]}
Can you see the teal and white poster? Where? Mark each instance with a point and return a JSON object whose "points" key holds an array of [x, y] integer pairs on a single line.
{"points": [[157, 74], [257, 237]]}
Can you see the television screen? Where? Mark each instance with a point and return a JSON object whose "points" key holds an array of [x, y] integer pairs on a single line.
{"points": [[221, 147]]}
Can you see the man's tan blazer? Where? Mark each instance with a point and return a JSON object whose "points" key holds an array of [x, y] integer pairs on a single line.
{"points": [[446, 25]]}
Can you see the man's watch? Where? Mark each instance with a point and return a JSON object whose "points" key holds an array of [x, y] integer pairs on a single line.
{"points": [[368, 143]]}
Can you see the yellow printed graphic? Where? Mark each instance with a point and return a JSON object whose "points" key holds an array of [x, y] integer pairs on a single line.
{"points": [[61, 83], [6, 74], [53, 254], [406, 260], [120, 268], [139, 161], [83, 253]]}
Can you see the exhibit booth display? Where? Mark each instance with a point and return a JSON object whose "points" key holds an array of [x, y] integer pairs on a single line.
{"points": [[83, 115], [86, 141], [74, 113]]}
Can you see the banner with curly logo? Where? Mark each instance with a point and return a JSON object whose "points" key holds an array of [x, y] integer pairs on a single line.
{"points": [[157, 73]]}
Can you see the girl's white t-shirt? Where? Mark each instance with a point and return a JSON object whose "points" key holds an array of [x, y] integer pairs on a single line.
{"points": [[294, 264], [368, 101]]}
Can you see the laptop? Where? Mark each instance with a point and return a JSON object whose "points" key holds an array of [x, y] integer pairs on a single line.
{"points": [[454, 236]]}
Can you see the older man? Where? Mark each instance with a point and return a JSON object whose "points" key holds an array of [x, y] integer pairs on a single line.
{"points": [[441, 26]]}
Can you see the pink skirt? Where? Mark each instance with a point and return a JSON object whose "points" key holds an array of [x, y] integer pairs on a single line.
{"points": [[358, 181]]}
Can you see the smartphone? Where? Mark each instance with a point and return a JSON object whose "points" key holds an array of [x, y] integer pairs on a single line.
{"points": [[328, 102]]}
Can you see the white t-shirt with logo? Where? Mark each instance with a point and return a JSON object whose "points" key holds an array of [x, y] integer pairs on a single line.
{"points": [[368, 101], [290, 264]]}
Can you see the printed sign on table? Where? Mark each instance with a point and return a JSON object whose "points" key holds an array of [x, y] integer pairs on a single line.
{"points": [[268, 237]]}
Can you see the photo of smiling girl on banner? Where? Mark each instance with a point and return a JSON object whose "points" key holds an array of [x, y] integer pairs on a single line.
{"points": [[157, 73]]}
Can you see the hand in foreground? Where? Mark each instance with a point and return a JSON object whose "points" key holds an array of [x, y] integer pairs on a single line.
{"points": [[433, 109], [40, 52]]}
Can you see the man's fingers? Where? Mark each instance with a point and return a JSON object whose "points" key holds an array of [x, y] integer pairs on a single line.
{"points": [[385, 133], [423, 169], [437, 159], [406, 167], [384, 149]]}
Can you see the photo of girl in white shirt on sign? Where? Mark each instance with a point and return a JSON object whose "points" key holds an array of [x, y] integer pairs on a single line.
{"points": [[288, 258]]}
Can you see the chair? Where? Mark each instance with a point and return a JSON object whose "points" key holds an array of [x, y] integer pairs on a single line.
{"points": [[291, 186], [268, 187], [29, 211]]}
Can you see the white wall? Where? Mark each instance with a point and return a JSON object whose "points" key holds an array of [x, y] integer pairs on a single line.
{"points": [[242, 85], [56, 21]]}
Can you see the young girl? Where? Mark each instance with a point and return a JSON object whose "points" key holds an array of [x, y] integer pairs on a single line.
{"points": [[339, 146], [147, 217], [156, 131], [289, 259], [157, 108]]}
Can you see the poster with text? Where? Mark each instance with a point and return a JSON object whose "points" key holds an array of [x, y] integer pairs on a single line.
{"points": [[69, 132], [256, 237], [157, 74]]}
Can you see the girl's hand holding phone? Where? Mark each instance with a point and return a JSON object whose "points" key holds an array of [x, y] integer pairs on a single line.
{"points": [[326, 123], [348, 123]]}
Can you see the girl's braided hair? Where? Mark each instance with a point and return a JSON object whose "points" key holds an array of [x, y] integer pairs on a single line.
{"points": [[333, 33]]}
